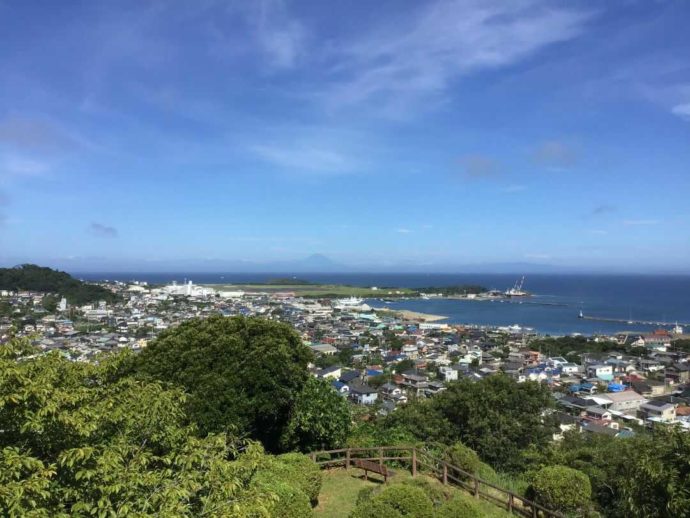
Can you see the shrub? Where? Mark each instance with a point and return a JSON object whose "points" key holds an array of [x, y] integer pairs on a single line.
{"points": [[459, 507], [292, 502], [434, 491], [407, 500], [374, 509], [464, 458], [561, 488], [304, 473]]}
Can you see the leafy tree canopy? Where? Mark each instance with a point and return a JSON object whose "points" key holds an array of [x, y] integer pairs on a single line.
{"points": [[496, 417], [81, 439], [241, 374]]}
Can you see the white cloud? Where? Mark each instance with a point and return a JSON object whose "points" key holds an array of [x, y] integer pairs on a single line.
{"points": [[19, 166], [304, 157], [280, 36], [403, 231], [682, 110], [417, 57], [538, 256]]}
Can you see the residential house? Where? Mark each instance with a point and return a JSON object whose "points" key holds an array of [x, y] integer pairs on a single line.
{"points": [[626, 401], [600, 371], [448, 373], [332, 372], [678, 373], [363, 394], [658, 411], [340, 387], [415, 383]]}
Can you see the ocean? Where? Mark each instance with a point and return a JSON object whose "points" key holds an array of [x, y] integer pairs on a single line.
{"points": [[553, 309]]}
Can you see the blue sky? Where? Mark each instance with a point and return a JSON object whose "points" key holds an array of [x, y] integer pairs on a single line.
{"points": [[383, 134]]}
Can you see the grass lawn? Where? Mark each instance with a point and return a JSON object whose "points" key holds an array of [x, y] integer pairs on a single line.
{"points": [[340, 489]]}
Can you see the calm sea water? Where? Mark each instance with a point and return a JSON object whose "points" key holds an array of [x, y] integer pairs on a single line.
{"points": [[553, 308]]}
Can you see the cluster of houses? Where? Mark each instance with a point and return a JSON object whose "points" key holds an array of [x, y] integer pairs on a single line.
{"points": [[383, 358]]}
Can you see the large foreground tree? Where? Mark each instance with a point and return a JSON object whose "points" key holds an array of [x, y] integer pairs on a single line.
{"points": [[242, 375], [80, 439]]}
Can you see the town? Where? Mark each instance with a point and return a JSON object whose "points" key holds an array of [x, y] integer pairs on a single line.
{"points": [[381, 359]]}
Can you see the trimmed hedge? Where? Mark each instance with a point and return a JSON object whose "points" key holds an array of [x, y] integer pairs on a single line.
{"points": [[399, 500], [561, 488], [459, 507]]}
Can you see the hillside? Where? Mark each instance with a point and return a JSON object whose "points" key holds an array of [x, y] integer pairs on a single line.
{"points": [[37, 278]]}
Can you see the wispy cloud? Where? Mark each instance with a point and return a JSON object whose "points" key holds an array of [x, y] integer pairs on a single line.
{"points": [[403, 231], [281, 37], [599, 232], [17, 166], [418, 57], [682, 110], [555, 154], [304, 158], [641, 222], [479, 166], [100, 230]]}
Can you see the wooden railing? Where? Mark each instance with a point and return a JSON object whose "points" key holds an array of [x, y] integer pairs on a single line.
{"points": [[417, 460]]}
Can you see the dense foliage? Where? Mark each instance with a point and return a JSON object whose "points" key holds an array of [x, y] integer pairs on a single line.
{"points": [[87, 439], [464, 458], [647, 475], [36, 278], [320, 418], [572, 347], [561, 488], [496, 417], [241, 374]]}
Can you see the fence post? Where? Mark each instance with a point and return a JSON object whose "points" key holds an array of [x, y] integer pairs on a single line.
{"points": [[347, 458], [380, 456], [414, 462], [313, 456], [476, 486], [535, 512], [510, 503], [445, 473]]}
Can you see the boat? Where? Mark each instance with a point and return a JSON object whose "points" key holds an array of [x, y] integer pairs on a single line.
{"points": [[516, 290], [349, 302]]}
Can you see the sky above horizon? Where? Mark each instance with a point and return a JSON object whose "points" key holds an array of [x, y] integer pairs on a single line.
{"points": [[382, 134]]}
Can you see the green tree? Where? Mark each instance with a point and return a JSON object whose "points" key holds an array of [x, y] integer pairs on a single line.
{"points": [[241, 374], [84, 439], [496, 417], [320, 418]]}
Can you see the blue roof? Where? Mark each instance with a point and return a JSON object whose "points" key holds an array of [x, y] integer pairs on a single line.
{"points": [[374, 372], [338, 384]]}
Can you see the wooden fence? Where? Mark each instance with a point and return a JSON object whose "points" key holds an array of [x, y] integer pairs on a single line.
{"points": [[417, 460]]}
